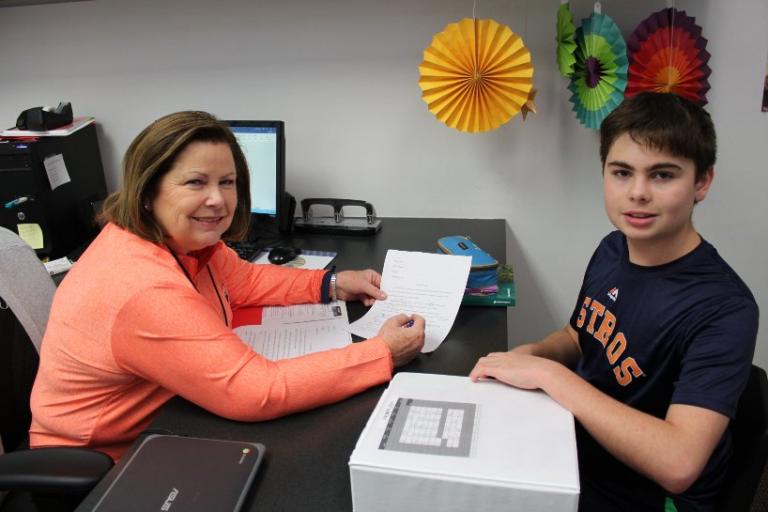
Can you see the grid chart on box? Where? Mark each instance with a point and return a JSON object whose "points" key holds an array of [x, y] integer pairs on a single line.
{"points": [[430, 427]]}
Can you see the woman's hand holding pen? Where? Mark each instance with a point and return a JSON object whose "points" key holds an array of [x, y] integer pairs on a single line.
{"points": [[362, 285], [404, 335]]}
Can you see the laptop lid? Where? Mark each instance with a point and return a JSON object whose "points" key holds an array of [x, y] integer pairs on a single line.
{"points": [[172, 473]]}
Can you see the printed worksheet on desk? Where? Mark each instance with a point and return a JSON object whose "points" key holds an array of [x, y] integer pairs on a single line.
{"points": [[282, 332]]}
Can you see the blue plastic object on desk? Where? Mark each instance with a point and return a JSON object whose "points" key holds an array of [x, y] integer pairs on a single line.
{"points": [[482, 273]]}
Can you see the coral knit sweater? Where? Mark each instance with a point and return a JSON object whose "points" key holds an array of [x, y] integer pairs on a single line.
{"points": [[128, 331]]}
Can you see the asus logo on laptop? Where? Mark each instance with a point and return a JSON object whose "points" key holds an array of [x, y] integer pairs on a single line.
{"points": [[169, 500]]}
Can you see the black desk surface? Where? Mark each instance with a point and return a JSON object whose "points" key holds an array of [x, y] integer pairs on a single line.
{"points": [[305, 468]]}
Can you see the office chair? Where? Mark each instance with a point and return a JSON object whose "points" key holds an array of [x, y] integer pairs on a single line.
{"points": [[750, 447], [41, 479]]}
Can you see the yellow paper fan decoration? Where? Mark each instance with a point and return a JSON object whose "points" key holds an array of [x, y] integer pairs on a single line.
{"points": [[476, 75]]}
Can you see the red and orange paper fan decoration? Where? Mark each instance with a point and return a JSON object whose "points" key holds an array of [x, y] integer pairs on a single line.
{"points": [[668, 54]]}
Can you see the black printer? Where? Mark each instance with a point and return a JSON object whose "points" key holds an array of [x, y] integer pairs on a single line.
{"points": [[50, 186]]}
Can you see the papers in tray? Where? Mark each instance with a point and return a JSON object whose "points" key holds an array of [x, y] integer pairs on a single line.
{"points": [[76, 124]]}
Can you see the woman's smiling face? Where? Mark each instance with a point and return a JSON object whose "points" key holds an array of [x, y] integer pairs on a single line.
{"points": [[196, 199]]}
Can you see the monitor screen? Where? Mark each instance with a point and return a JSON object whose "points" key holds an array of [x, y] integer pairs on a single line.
{"points": [[263, 144]]}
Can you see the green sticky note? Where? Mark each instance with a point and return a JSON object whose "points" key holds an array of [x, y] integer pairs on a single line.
{"points": [[32, 234]]}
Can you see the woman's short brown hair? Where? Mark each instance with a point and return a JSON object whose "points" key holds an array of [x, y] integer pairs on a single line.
{"points": [[152, 154]]}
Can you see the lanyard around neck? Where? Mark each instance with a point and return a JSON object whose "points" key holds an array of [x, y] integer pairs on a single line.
{"points": [[213, 283]]}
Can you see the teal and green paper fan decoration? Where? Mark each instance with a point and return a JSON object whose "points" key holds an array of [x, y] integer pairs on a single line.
{"points": [[600, 73], [566, 42]]}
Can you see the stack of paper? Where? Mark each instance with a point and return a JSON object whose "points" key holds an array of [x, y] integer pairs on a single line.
{"points": [[68, 129], [438, 442]]}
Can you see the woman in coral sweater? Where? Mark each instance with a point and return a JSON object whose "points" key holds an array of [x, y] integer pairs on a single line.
{"points": [[146, 313]]}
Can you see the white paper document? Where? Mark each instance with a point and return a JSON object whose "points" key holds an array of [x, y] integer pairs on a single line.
{"points": [[58, 266], [300, 313], [283, 341], [430, 285], [292, 331], [56, 170]]}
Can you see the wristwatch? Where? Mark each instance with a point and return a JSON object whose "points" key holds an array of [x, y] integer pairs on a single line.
{"points": [[332, 286]]}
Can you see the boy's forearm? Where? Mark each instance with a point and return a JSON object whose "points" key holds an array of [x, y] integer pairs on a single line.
{"points": [[560, 346], [670, 451]]}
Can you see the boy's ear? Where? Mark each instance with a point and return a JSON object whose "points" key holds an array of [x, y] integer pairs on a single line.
{"points": [[702, 186]]}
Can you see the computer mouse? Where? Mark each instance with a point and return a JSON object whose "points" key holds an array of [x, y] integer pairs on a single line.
{"points": [[280, 255]]}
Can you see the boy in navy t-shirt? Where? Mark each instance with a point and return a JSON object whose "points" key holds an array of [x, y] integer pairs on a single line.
{"points": [[660, 343]]}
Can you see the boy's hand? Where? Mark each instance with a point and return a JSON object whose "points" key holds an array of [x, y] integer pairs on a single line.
{"points": [[514, 368]]}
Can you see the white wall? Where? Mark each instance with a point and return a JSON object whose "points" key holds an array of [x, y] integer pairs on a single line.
{"points": [[343, 75]]}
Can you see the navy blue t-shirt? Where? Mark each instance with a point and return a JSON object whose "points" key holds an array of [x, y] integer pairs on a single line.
{"points": [[679, 333]]}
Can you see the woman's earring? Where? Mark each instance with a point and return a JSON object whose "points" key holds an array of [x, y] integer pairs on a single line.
{"points": [[146, 206]]}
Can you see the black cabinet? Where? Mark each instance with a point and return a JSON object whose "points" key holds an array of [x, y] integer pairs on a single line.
{"points": [[63, 210]]}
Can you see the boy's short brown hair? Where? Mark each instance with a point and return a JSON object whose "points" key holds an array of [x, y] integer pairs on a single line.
{"points": [[152, 154], [666, 122]]}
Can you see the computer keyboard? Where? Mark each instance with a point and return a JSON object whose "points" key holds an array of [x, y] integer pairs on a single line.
{"points": [[247, 250]]}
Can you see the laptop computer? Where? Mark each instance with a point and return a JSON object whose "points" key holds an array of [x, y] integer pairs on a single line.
{"points": [[172, 473]]}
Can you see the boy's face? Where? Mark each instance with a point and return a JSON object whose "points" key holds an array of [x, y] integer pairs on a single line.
{"points": [[649, 194]]}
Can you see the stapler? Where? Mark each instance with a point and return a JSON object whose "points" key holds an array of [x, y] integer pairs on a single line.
{"points": [[338, 223]]}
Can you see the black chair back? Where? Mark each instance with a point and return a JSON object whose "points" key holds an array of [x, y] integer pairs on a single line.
{"points": [[750, 446], [18, 367]]}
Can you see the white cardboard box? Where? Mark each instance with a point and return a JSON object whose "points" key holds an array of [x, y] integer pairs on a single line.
{"points": [[444, 443]]}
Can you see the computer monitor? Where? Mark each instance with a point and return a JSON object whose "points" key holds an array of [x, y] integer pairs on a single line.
{"points": [[263, 144]]}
